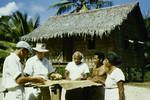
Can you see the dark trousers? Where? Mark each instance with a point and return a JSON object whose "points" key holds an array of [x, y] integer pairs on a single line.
{"points": [[45, 94], [87, 93], [94, 93], [75, 94]]}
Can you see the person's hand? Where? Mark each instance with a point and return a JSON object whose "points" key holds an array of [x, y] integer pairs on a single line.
{"points": [[83, 76], [55, 76], [79, 78], [89, 78]]}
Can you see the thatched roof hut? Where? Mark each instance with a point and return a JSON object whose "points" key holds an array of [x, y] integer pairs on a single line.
{"points": [[104, 29], [97, 22]]}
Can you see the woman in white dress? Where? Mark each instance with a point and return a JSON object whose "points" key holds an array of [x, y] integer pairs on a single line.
{"points": [[114, 83]]}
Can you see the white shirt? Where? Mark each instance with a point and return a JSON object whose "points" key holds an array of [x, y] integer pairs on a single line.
{"points": [[36, 67], [76, 71], [12, 68], [111, 91], [113, 78]]}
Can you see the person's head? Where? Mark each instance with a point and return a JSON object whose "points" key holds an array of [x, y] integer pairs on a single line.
{"points": [[98, 58], [112, 59], [40, 50], [23, 48], [77, 57]]}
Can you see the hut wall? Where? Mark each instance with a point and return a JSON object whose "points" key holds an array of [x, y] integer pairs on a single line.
{"points": [[101, 44], [67, 48], [133, 53], [55, 49], [105, 44]]}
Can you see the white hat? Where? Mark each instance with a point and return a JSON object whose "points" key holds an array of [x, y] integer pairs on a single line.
{"points": [[40, 47], [23, 44]]}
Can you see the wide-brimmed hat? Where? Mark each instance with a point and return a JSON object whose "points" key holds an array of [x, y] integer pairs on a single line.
{"points": [[23, 44], [40, 47]]}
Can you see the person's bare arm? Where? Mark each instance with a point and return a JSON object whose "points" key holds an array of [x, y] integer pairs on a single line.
{"points": [[121, 90], [99, 77]]}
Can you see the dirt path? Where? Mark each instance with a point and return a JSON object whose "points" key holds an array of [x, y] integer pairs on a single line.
{"points": [[137, 93]]}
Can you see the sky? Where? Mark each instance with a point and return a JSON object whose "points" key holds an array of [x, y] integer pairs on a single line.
{"points": [[40, 7]]}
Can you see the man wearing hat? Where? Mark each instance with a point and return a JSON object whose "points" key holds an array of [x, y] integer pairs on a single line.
{"points": [[38, 65], [13, 77]]}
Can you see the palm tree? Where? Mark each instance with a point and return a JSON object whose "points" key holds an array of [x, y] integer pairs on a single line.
{"points": [[18, 25], [79, 5], [3, 26]]}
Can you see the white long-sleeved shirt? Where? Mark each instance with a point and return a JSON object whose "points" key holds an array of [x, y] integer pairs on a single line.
{"points": [[12, 68], [37, 67]]}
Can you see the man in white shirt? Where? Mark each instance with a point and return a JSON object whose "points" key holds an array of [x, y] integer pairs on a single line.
{"points": [[75, 70], [13, 77], [40, 66]]}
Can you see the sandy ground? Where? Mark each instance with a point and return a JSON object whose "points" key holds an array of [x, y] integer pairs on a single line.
{"points": [[131, 92], [137, 93]]}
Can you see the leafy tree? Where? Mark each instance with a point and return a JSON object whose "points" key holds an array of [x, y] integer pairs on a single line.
{"points": [[72, 6], [3, 26], [147, 24], [11, 28], [16, 25], [5, 49], [147, 44]]}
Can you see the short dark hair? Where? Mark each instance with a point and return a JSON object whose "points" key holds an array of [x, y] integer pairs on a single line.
{"points": [[100, 55], [113, 58]]}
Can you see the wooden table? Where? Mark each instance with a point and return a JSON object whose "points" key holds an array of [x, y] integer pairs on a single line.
{"points": [[66, 84]]}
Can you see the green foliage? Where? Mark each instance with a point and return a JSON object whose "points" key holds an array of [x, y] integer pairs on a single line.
{"points": [[60, 69], [72, 6], [147, 76], [14, 26], [147, 24], [3, 53], [147, 44], [11, 29], [5, 49], [7, 44]]}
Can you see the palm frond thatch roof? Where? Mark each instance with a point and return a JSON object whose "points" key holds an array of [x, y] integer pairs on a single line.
{"points": [[93, 22]]}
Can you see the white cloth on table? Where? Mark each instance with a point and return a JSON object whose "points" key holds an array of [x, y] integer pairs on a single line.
{"points": [[12, 68], [111, 88]]}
